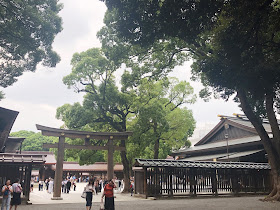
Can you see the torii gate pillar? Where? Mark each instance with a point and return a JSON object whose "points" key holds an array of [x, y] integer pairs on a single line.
{"points": [[59, 170]]}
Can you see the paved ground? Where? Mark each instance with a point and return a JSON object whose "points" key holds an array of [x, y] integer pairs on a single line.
{"points": [[42, 201], [42, 197], [240, 203]]}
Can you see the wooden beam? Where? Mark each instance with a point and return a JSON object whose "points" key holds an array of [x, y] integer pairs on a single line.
{"points": [[90, 147], [47, 131], [83, 136]]}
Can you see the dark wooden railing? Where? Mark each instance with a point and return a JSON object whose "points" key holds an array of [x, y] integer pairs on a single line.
{"points": [[192, 181]]}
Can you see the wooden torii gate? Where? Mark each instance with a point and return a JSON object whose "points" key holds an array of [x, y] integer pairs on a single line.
{"points": [[61, 145]]}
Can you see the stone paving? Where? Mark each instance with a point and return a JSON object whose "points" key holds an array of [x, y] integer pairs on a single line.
{"points": [[42, 197], [42, 201]]}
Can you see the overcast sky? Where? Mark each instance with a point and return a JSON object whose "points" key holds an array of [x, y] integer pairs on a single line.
{"points": [[37, 95]]}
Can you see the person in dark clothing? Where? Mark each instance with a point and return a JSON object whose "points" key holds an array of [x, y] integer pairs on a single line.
{"points": [[47, 184], [131, 188], [68, 185], [41, 185], [17, 189], [62, 186], [96, 185], [74, 184]]}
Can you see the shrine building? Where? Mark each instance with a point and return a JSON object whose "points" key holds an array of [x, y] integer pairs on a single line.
{"points": [[233, 139]]}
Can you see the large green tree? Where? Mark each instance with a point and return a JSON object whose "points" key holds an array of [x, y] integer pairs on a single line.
{"points": [[33, 141], [235, 46], [161, 124], [107, 107], [92, 73], [27, 31], [246, 65]]}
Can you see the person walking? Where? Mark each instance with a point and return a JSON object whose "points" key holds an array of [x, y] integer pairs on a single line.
{"points": [[74, 184], [6, 190], [101, 184], [65, 186], [31, 185], [47, 184], [17, 189], [89, 189], [50, 190], [68, 185], [62, 186], [109, 195], [120, 184], [131, 188], [96, 186]]}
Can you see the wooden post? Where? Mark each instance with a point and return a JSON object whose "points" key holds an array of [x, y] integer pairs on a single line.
{"points": [[28, 178], [110, 167], [170, 192], [234, 182], [255, 180], [145, 183], [192, 182], [59, 169], [214, 182]]}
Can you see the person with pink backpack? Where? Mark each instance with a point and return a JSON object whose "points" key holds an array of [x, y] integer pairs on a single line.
{"points": [[17, 189]]}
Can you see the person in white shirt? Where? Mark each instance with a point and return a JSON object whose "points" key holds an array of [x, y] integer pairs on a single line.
{"points": [[89, 189], [6, 191], [50, 186]]}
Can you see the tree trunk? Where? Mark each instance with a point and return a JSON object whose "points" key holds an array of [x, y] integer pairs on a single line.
{"points": [[156, 148], [156, 145], [269, 147], [273, 122], [126, 169]]}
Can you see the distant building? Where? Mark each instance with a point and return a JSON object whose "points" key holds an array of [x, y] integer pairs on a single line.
{"points": [[98, 169], [232, 139], [14, 165]]}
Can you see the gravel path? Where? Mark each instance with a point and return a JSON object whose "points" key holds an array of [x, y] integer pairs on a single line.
{"points": [[42, 201], [240, 203]]}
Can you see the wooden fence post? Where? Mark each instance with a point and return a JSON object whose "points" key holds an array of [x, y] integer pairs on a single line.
{"points": [[214, 182], [170, 192], [192, 182]]}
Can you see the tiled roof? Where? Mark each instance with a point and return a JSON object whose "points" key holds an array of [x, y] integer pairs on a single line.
{"points": [[239, 121], [7, 118], [245, 122], [221, 156], [248, 141], [49, 156], [12, 144], [200, 164], [21, 158]]}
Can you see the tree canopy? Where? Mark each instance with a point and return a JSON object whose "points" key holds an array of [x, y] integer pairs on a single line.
{"points": [[161, 124], [33, 141], [234, 44], [27, 31], [108, 107]]}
